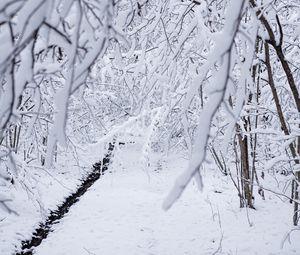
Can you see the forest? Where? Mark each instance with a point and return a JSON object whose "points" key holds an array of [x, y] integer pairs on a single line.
{"points": [[149, 127]]}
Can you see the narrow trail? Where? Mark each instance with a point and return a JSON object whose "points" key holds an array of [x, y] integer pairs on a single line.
{"points": [[45, 228]]}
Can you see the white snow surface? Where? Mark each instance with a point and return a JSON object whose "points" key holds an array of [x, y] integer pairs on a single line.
{"points": [[122, 214], [49, 187]]}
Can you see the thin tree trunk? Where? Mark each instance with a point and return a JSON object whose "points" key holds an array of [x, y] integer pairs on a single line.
{"points": [[295, 185], [245, 169]]}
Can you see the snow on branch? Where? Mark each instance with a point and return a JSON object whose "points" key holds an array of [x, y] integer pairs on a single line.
{"points": [[222, 53]]}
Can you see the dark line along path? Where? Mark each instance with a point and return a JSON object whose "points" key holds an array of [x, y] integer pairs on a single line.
{"points": [[45, 228]]}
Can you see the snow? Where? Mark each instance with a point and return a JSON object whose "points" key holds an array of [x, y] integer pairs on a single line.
{"points": [[121, 214], [46, 189], [148, 59]]}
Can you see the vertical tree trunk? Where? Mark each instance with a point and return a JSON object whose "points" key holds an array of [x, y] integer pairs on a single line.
{"points": [[245, 170], [294, 152], [246, 195]]}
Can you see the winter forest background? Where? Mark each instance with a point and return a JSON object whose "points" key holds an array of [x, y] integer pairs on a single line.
{"points": [[213, 82]]}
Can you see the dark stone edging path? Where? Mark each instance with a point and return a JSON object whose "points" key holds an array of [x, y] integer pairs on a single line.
{"points": [[44, 229]]}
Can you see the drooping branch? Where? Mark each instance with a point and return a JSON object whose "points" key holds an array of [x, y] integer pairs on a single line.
{"points": [[223, 52]]}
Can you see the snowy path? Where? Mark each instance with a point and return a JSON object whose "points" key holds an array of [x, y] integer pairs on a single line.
{"points": [[121, 214]]}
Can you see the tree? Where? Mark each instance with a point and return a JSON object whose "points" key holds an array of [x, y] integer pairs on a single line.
{"points": [[241, 30], [49, 49]]}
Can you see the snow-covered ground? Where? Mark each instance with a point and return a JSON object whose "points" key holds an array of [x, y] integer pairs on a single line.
{"points": [[39, 191], [122, 214]]}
